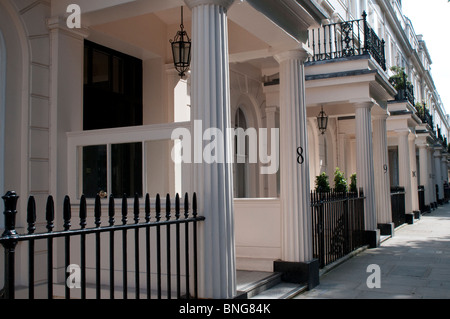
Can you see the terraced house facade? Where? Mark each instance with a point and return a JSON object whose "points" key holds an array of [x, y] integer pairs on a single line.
{"points": [[106, 107]]}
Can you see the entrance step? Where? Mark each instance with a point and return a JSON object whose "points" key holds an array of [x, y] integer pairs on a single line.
{"points": [[265, 285]]}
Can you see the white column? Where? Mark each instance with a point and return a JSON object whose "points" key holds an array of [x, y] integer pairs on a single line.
{"points": [[424, 173], [405, 168], [444, 172], [294, 178], [382, 185], [432, 188], [210, 96], [438, 178], [364, 161], [413, 163]]}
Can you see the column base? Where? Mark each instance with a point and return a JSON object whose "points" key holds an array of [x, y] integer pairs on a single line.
{"points": [[299, 272], [409, 218], [416, 214], [372, 238], [386, 229]]}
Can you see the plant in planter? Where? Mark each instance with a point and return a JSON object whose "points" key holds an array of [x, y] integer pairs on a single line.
{"points": [[340, 183], [421, 107], [399, 79], [353, 188], [322, 183]]}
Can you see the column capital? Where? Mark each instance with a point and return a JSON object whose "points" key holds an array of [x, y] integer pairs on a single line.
{"points": [[226, 4], [383, 116], [437, 153], [300, 54], [412, 136], [272, 109], [405, 132], [422, 145], [363, 104]]}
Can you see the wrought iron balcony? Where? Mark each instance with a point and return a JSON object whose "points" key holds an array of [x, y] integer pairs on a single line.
{"points": [[405, 92], [345, 39], [424, 115]]}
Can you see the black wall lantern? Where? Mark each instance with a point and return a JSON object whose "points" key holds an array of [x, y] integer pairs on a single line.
{"points": [[181, 49], [322, 121]]}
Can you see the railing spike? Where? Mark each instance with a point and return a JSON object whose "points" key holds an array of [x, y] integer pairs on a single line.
{"points": [[97, 211], [124, 209], [83, 212], [67, 213], [147, 208], [158, 208], [111, 210], [31, 215], [136, 208], [177, 206], [168, 207], [194, 205], [50, 213], [186, 205]]}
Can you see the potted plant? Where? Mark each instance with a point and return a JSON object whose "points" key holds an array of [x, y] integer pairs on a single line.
{"points": [[399, 82], [340, 183], [322, 183]]}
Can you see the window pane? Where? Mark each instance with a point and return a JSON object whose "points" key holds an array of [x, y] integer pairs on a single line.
{"points": [[117, 77], [126, 169], [100, 69], [94, 170]]}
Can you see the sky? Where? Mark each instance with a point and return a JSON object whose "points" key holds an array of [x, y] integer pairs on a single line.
{"points": [[431, 18]]}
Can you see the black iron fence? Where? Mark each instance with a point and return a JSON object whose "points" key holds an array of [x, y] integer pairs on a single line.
{"points": [[398, 205], [338, 225], [421, 192], [344, 39], [406, 91], [446, 192], [163, 249]]}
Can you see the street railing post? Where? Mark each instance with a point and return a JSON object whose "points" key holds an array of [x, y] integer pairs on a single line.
{"points": [[9, 243]]}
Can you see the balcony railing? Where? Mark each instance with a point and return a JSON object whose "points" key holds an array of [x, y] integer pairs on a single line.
{"points": [[405, 92], [345, 39], [424, 114]]}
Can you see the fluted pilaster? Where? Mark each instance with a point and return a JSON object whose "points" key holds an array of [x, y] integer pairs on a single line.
{"points": [[294, 159], [413, 167], [424, 173], [210, 94], [438, 177], [364, 161], [382, 185], [404, 170]]}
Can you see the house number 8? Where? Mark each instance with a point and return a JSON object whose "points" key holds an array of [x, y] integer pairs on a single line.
{"points": [[300, 158]]}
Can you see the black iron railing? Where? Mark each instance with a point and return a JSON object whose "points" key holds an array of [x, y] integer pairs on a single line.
{"points": [[421, 192], [446, 192], [424, 114], [175, 256], [338, 225], [398, 205], [345, 39], [405, 92]]}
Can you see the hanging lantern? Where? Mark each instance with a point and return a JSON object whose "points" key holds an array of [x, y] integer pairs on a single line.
{"points": [[322, 121], [181, 49]]}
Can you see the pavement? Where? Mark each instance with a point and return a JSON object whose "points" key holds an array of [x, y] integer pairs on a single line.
{"points": [[413, 264]]}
